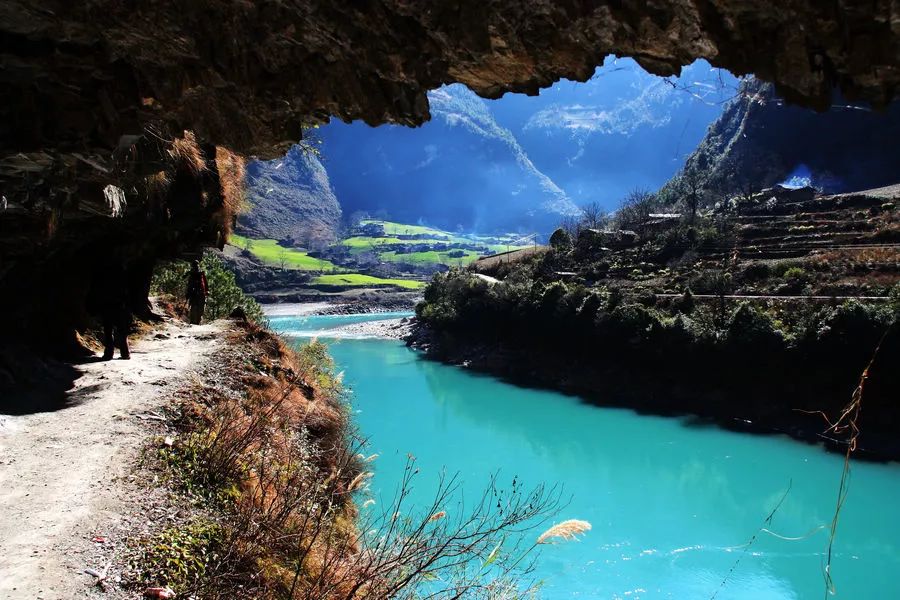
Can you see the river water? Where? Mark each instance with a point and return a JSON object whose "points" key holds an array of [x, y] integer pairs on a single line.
{"points": [[672, 502]]}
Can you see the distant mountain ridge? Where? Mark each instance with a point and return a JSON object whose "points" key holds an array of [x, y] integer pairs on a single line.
{"points": [[514, 164], [461, 171], [623, 129]]}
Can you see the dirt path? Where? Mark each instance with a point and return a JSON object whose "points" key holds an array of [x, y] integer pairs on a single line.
{"points": [[62, 472]]}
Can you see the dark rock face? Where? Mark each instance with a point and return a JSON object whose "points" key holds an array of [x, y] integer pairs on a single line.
{"points": [[291, 198], [245, 75]]}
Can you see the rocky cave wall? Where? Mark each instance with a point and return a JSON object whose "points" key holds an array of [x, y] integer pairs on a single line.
{"points": [[246, 74]]}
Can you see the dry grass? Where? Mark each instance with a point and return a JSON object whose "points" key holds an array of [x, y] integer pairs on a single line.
{"points": [[157, 186], [231, 168], [565, 531], [186, 151], [267, 448]]}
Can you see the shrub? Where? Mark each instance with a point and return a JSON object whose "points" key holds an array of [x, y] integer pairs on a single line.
{"points": [[180, 556], [170, 279], [854, 323], [632, 323], [614, 298], [686, 303], [750, 326], [894, 301], [794, 274], [757, 272], [561, 240], [711, 282], [646, 298], [590, 307]]}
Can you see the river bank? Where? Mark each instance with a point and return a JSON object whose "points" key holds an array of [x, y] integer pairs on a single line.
{"points": [[347, 303], [767, 395]]}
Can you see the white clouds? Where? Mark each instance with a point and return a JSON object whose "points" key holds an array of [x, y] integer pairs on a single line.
{"points": [[650, 108], [431, 153]]}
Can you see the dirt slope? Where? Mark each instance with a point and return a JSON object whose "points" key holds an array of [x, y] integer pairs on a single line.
{"points": [[63, 473]]}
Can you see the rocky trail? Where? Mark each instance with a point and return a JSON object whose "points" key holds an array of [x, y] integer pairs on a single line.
{"points": [[66, 476]]}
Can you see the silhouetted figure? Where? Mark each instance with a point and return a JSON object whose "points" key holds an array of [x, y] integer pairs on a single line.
{"points": [[196, 293], [112, 300]]}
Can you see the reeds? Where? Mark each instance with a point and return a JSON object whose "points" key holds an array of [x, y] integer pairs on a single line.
{"points": [[565, 531]]}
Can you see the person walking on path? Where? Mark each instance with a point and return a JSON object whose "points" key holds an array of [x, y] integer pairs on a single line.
{"points": [[110, 296], [197, 292]]}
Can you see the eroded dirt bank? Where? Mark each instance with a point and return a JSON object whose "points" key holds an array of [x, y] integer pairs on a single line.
{"points": [[64, 475]]}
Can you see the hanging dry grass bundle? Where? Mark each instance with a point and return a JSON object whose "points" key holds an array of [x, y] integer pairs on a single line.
{"points": [[186, 150], [565, 531], [231, 168], [157, 188]]}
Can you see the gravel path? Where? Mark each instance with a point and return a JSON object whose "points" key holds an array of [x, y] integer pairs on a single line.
{"points": [[64, 474]]}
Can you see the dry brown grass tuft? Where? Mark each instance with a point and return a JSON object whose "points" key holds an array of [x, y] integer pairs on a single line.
{"points": [[231, 168], [157, 186], [186, 152]]}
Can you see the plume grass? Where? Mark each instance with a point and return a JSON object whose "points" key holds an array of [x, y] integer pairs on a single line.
{"points": [[565, 531]]}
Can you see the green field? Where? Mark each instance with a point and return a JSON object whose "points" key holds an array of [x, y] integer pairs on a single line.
{"points": [[363, 243], [444, 241], [360, 280], [432, 257], [271, 253], [392, 228]]}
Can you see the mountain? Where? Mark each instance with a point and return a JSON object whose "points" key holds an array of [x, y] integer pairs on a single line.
{"points": [[460, 171], [291, 198], [622, 129], [760, 140], [525, 162]]}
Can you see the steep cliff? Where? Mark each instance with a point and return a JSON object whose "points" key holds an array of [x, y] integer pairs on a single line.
{"points": [[291, 198]]}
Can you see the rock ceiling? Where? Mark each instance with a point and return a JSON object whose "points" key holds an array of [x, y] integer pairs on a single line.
{"points": [[246, 74]]}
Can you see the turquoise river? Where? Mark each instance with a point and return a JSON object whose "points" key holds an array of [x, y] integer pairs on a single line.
{"points": [[672, 503]]}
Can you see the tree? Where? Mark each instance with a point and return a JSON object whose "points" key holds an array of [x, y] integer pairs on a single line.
{"points": [[594, 216], [357, 217], [695, 184], [572, 225], [282, 257], [634, 212]]}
